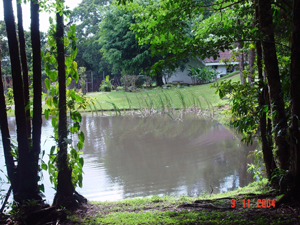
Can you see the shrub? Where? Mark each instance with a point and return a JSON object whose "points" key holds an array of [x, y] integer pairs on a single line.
{"points": [[106, 85]]}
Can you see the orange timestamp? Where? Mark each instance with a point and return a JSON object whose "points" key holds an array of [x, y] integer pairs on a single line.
{"points": [[261, 203]]}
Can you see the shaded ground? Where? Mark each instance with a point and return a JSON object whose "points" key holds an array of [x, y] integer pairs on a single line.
{"points": [[206, 211], [253, 204]]}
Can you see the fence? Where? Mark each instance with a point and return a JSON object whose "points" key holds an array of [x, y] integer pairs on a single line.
{"points": [[93, 81]]}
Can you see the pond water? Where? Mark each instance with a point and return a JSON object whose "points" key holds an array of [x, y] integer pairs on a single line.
{"points": [[128, 157]]}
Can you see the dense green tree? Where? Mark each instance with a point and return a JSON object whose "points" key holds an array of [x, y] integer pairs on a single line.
{"points": [[119, 45], [87, 16]]}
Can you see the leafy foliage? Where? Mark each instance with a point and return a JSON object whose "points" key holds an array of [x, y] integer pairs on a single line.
{"points": [[119, 45], [244, 107], [202, 74], [87, 16], [106, 85]]}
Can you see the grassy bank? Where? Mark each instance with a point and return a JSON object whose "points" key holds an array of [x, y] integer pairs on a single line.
{"points": [[224, 208], [199, 96]]}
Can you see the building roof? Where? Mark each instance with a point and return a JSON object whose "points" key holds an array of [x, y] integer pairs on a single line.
{"points": [[222, 55]]}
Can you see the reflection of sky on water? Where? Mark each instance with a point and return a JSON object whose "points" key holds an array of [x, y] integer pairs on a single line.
{"points": [[127, 157]]}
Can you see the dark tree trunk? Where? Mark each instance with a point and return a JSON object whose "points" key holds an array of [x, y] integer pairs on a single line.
{"points": [[9, 161], [24, 66], [295, 100], [241, 58], [37, 86], [65, 188], [159, 80], [266, 138], [27, 185], [276, 95]]}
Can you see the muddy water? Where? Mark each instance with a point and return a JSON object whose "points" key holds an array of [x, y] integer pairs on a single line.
{"points": [[129, 157]]}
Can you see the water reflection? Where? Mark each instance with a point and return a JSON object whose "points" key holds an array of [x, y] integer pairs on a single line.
{"points": [[135, 157]]}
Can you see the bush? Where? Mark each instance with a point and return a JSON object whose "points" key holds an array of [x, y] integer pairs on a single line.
{"points": [[128, 80], [140, 81], [106, 85], [202, 74]]}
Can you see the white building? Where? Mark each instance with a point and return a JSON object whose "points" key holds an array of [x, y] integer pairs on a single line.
{"points": [[222, 64]]}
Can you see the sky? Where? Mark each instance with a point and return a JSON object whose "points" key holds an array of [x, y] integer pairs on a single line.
{"points": [[44, 17]]}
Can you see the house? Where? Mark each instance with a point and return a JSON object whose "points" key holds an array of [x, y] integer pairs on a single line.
{"points": [[221, 64]]}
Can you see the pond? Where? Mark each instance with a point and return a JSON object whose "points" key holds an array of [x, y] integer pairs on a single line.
{"points": [[130, 156]]}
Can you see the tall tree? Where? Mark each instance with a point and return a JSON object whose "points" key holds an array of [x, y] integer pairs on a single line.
{"points": [[88, 16], [24, 65], [37, 85], [241, 57], [295, 99], [65, 189], [119, 46], [272, 72]]}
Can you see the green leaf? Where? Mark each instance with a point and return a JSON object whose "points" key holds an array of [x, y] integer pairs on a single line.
{"points": [[53, 61], [68, 61], [52, 150], [76, 116], [75, 52], [52, 75], [81, 162], [44, 166], [79, 98], [72, 94], [49, 102], [47, 112], [54, 122], [80, 180], [81, 136], [74, 65], [74, 153], [68, 81], [73, 129], [47, 83], [79, 145]]}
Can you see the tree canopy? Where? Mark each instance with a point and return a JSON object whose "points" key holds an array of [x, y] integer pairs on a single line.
{"points": [[119, 46]]}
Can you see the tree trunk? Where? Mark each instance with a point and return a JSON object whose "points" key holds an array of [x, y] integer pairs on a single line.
{"points": [[27, 186], [241, 58], [252, 51], [276, 95], [65, 188], [24, 66], [295, 100], [158, 78], [9, 161], [37, 86], [251, 65], [265, 135]]}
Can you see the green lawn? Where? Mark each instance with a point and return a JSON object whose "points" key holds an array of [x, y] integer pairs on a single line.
{"points": [[199, 96]]}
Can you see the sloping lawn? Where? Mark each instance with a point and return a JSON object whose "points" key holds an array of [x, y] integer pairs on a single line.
{"points": [[200, 96]]}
